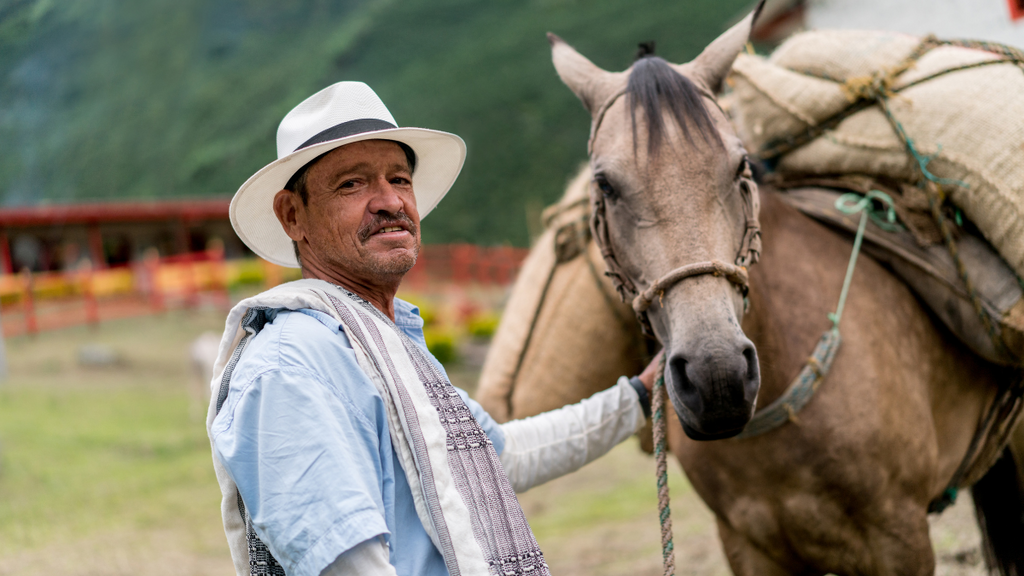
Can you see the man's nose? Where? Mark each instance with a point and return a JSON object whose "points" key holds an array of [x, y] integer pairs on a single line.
{"points": [[385, 198]]}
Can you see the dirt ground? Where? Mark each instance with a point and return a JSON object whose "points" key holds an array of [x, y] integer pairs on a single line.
{"points": [[575, 542]]}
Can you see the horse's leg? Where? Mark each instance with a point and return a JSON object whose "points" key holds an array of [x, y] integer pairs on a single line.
{"points": [[900, 544], [745, 559], [896, 544]]}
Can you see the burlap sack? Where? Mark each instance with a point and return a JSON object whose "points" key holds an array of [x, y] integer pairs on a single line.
{"points": [[560, 345], [970, 122]]}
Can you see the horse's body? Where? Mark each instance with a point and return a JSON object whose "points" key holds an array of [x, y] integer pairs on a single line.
{"points": [[844, 487]]}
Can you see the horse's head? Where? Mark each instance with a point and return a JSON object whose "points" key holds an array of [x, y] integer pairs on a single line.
{"points": [[675, 212]]}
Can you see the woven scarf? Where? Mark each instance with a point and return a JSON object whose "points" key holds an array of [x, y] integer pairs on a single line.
{"points": [[461, 493]]}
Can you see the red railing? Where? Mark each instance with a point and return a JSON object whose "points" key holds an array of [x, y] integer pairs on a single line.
{"points": [[34, 302], [465, 264]]}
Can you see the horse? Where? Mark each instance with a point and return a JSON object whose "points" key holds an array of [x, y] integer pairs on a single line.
{"points": [[845, 486], [560, 302]]}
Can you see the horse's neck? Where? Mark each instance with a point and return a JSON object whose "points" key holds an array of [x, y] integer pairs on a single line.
{"points": [[792, 290]]}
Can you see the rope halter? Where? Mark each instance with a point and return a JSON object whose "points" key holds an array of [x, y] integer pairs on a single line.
{"points": [[749, 252], [735, 274]]}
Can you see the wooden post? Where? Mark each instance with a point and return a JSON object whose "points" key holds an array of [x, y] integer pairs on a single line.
{"points": [[30, 305], [483, 258], [463, 258], [5, 254], [151, 265], [99, 259], [92, 311], [506, 265], [191, 282], [3, 356], [218, 269]]}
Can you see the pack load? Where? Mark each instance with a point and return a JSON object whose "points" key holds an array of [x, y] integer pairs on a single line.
{"points": [[924, 120], [834, 102]]}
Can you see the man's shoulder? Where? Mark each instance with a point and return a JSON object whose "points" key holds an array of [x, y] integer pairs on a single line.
{"points": [[296, 339], [299, 354]]}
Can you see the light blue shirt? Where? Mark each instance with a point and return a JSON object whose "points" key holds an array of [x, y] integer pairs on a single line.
{"points": [[304, 434]]}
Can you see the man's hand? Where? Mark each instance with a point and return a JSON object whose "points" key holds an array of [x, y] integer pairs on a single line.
{"points": [[651, 372]]}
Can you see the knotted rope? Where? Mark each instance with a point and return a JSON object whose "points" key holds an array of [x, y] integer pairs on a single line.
{"points": [[852, 204], [735, 274], [864, 91], [668, 554], [1007, 402], [785, 408], [932, 186]]}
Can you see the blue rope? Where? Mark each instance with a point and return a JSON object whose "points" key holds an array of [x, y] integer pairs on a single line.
{"points": [[802, 388], [922, 159], [936, 198], [851, 204]]}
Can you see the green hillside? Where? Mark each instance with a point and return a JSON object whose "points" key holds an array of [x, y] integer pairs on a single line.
{"points": [[103, 99]]}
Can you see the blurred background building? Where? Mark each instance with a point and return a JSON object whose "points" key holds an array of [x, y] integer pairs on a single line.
{"points": [[994, 20], [61, 237]]}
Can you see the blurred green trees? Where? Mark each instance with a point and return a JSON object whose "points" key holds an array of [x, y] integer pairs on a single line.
{"points": [[103, 99]]}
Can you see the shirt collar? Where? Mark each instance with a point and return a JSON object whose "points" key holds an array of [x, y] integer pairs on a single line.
{"points": [[407, 315]]}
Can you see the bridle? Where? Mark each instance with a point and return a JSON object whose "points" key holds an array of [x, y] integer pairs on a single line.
{"points": [[736, 273]]}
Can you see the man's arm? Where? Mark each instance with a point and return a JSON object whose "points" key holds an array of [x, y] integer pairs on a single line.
{"points": [[369, 558], [561, 441], [554, 443], [308, 466]]}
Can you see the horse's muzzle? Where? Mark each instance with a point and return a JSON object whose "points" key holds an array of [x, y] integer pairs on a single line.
{"points": [[714, 389]]}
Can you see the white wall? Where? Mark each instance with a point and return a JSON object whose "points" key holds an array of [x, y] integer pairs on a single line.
{"points": [[972, 19]]}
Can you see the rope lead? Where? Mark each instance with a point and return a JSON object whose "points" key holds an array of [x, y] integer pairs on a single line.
{"points": [[668, 555]]}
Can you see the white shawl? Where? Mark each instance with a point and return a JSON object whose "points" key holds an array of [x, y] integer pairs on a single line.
{"points": [[461, 493]]}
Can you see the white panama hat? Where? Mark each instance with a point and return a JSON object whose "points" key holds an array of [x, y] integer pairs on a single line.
{"points": [[340, 114]]}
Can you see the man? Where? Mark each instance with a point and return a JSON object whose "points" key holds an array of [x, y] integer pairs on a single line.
{"points": [[339, 443]]}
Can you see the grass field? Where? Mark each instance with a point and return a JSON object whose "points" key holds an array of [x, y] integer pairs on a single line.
{"points": [[106, 471], [106, 463]]}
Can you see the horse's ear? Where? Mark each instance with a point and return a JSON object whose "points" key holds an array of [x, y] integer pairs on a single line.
{"points": [[713, 64], [591, 84]]}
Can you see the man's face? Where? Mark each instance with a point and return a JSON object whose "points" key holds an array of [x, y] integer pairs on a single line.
{"points": [[361, 220]]}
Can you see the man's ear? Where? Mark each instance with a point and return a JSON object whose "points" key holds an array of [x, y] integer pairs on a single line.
{"points": [[291, 214]]}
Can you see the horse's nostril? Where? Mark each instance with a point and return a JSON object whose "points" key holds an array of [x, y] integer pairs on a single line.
{"points": [[682, 385], [752, 381], [677, 366], [750, 354]]}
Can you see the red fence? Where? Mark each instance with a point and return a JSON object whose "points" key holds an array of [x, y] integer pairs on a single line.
{"points": [[33, 302], [465, 264], [52, 300]]}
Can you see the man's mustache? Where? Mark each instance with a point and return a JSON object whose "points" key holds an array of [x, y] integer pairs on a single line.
{"points": [[382, 221]]}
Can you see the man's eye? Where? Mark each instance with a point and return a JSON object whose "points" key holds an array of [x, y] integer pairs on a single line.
{"points": [[348, 184], [400, 181]]}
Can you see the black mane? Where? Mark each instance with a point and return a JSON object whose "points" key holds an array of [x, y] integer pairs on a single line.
{"points": [[653, 84]]}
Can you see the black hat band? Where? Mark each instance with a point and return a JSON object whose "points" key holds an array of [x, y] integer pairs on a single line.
{"points": [[346, 129]]}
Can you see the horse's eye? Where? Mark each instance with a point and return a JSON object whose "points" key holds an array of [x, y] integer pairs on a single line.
{"points": [[744, 166], [605, 186]]}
